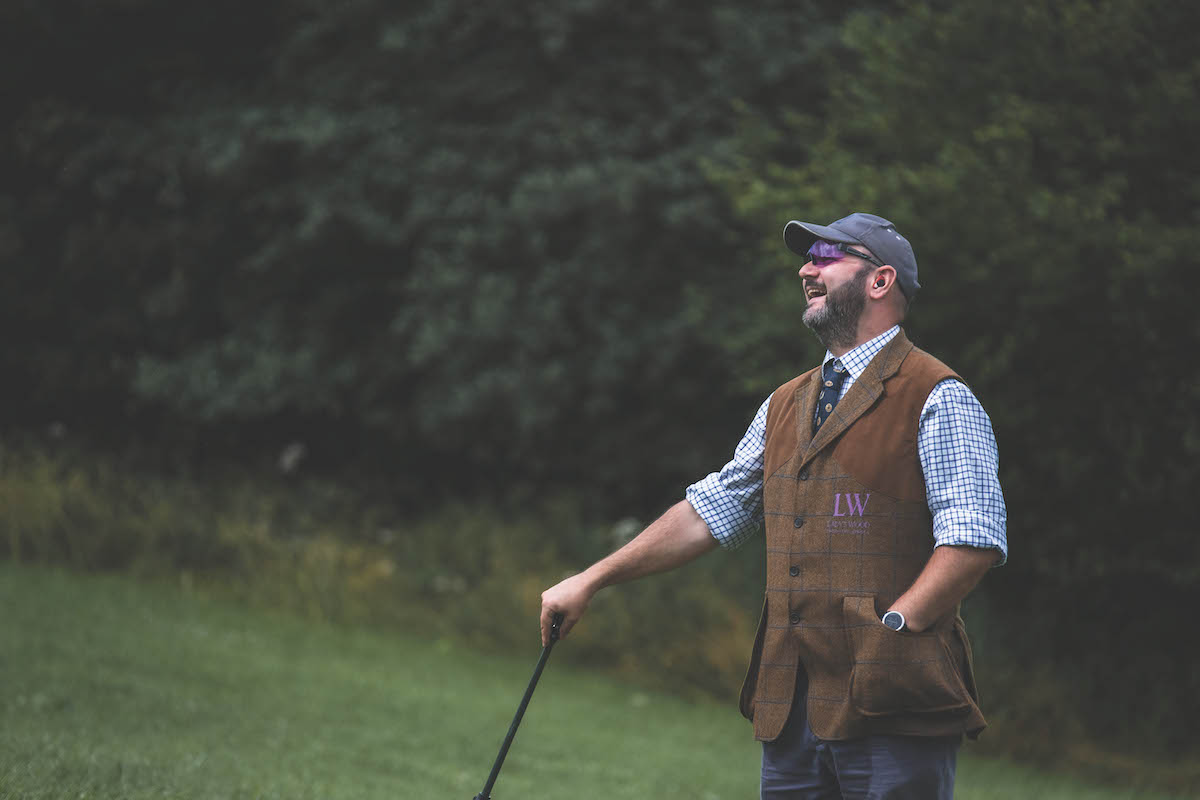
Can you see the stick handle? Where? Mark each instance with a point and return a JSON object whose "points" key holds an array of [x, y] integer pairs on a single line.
{"points": [[486, 794]]}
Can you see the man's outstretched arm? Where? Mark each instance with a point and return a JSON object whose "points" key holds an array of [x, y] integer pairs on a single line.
{"points": [[674, 539]]}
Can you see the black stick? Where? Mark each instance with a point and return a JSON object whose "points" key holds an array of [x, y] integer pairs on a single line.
{"points": [[486, 794]]}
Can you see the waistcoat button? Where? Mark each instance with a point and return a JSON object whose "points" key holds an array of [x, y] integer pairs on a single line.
{"points": [[794, 571], [798, 521], [803, 474], [794, 619]]}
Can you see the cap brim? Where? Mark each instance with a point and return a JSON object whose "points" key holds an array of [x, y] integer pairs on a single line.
{"points": [[799, 236]]}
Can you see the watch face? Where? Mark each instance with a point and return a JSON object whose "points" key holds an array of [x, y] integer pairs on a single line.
{"points": [[894, 620]]}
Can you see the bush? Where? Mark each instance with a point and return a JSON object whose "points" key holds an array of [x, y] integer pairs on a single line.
{"points": [[470, 572]]}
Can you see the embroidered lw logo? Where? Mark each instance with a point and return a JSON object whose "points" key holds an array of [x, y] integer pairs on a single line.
{"points": [[855, 503]]}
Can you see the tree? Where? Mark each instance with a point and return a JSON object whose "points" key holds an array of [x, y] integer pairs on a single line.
{"points": [[462, 241]]}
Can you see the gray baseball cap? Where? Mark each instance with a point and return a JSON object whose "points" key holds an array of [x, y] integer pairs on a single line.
{"points": [[875, 233]]}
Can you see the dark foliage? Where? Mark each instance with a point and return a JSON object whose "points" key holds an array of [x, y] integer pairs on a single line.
{"points": [[435, 238]]}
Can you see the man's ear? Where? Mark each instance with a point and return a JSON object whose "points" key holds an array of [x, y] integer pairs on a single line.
{"points": [[885, 276]]}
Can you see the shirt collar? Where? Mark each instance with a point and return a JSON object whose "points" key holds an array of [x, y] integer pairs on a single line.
{"points": [[856, 360]]}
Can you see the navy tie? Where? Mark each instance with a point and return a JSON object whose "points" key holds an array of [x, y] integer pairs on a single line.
{"points": [[833, 375]]}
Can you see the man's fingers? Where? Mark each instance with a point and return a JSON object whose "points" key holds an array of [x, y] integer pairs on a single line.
{"points": [[568, 598], [568, 622], [547, 621]]}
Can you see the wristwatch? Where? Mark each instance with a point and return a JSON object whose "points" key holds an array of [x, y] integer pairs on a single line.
{"points": [[894, 620]]}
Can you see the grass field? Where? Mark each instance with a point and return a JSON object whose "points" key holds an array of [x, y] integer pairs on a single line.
{"points": [[111, 688]]}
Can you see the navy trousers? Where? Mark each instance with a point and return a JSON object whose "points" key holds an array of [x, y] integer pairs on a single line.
{"points": [[799, 766]]}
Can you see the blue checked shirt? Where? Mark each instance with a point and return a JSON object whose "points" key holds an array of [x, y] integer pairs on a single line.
{"points": [[958, 455]]}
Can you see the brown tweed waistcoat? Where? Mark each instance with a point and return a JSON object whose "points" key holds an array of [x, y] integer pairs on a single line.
{"points": [[848, 530]]}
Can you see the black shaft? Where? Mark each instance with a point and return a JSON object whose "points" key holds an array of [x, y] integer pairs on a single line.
{"points": [[486, 794]]}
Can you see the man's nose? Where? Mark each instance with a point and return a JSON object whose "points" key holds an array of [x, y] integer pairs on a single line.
{"points": [[808, 270]]}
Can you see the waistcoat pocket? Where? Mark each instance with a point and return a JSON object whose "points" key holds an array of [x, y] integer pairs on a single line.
{"points": [[898, 672]]}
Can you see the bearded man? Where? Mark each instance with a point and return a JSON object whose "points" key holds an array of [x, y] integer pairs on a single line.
{"points": [[875, 478]]}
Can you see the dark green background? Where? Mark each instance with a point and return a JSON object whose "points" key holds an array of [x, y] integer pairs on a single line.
{"points": [[486, 252]]}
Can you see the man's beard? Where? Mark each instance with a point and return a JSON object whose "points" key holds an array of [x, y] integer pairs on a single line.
{"points": [[836, 322]]}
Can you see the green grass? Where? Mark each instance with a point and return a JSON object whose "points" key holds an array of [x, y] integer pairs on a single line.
{"points": [[111, 688]]}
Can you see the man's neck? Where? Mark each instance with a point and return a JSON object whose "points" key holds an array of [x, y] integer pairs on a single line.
{"points": [[866, 332]]}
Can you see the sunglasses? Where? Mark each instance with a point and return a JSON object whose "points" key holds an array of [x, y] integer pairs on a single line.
{"points": [[824, 253]]}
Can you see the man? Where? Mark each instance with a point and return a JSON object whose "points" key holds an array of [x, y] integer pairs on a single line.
{"points": [[875, 477]]}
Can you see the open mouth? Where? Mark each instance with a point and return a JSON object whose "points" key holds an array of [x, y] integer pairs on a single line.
{"points": [[812, 291]]}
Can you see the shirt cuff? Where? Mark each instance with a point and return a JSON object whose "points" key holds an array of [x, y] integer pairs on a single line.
{"points": [[965, 528], [728, 520]]}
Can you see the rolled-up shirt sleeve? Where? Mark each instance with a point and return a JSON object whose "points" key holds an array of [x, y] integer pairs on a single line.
{"points": [[730, 501], [959, 458]]}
